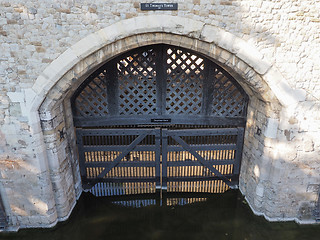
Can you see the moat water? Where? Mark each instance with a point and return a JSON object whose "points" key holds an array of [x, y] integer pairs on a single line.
{"points": [[224, 216]]}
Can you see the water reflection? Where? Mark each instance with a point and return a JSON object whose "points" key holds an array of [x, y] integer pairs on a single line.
{"points": [[220, 216]]}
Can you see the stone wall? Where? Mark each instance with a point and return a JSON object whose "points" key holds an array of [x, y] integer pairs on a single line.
{"points": [[49, 47]]}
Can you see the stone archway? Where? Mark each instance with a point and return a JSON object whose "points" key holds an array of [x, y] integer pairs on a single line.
{"points": [[50, 111]]}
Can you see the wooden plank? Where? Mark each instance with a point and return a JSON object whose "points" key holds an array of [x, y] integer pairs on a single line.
{"points": [[196, 163], [123, 154], [119, 148], [204, 132], [157, 157], [204, 147], [81, 153], [238, 156], [146, 119], [164, 154], [107, 148], [197, 178], [114, 132], [121, 180], [199, 158], [121, 164]]}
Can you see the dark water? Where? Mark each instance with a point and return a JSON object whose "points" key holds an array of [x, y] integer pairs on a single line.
{"points": [[224, 216]]}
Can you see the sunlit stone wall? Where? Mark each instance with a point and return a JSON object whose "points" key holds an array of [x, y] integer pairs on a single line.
{"points": [[271, 47]]}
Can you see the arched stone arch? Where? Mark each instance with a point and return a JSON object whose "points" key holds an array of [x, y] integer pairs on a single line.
{"points": [[50, 113], [181, 28]]}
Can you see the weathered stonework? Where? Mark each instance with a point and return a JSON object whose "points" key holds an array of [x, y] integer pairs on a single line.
{"points": [[49, 47]]}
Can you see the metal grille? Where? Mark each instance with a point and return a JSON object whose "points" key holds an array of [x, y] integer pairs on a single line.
{"points": [[137, 83], [184, 82], [92, 100]]}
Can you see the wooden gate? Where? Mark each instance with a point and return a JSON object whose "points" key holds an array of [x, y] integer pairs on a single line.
{"points": [[126, 161], [159, 116], [201, 160], [135, 161]]}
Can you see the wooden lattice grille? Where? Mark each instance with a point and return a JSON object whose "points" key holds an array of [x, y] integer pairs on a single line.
{"points": [[137, 83], [228, 100], [184, 82], [159, 80], [92, 100]]}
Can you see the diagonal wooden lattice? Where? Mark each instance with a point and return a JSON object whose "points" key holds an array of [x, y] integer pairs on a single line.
{"points": [[137, 83], [228, 101], [159, 80], [92, 100], [184, 82]]}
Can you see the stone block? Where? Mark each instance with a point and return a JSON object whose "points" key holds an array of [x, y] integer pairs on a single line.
{"points": [[260, 190], [225, 56], [42, 84], [271, 128], [313, 188], [17, 97], [15, 110], [63, 210], [300, 95], [213, 34], [251, 56], [35, 221], [40, 160], [306, 211], [285, 94], [151, 23], [64, 62], [49, 221], [53, 160], [29, 97], [47, 125], [84, 48], [112, 33], [308, 145], [186, 26], [34, 123]]}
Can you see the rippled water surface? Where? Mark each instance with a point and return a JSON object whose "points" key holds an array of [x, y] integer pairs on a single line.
{"points": [[225, 216]]}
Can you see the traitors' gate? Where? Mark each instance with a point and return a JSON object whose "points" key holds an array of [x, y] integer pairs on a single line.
{"points": [[159, 117]]}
